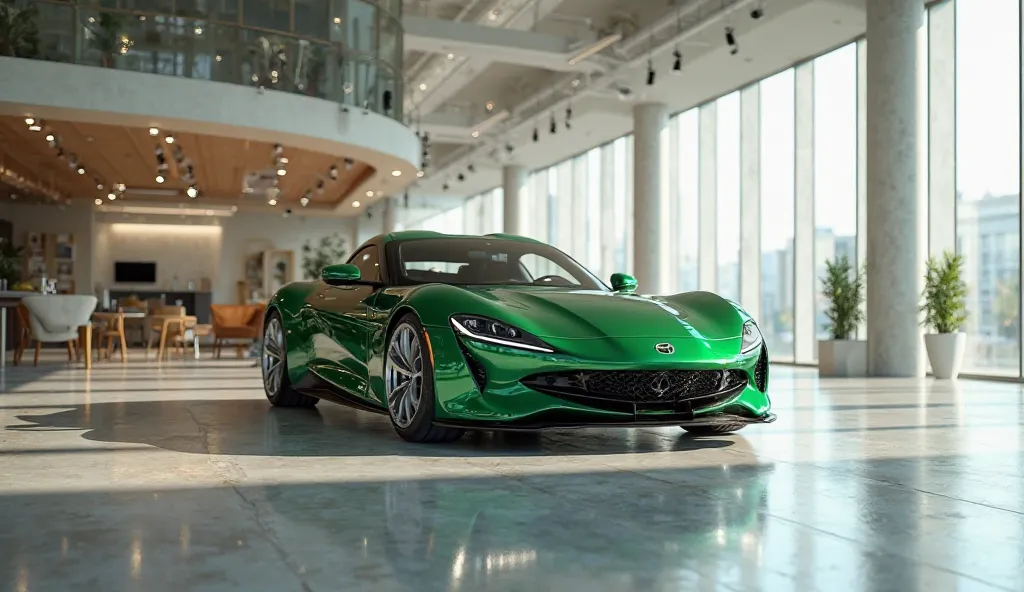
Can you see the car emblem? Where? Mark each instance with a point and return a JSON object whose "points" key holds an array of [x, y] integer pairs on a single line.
{"points": [[660, 386], [665, 348]]}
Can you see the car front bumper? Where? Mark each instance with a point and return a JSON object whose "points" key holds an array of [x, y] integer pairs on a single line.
{"points": [[462, 366]]}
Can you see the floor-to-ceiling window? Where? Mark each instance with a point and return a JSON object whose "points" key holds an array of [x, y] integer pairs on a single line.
{"points": [[686, 235], [988, 179], [621, 205], [835, 168], [728, 197], [778, 104]]}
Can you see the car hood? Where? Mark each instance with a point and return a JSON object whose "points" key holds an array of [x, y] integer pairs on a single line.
{"points": [[586, 314]]}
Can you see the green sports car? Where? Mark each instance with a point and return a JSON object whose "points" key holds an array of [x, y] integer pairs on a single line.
{"points": [[446, 333]]}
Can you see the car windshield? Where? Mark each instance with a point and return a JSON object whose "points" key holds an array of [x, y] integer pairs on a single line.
{"points": [[489, 261]]}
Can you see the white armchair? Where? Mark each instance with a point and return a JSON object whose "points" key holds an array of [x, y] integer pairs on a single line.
{"points": [[56, 319]]}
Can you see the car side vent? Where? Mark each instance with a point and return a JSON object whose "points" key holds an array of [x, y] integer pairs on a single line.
{"points": [[476, 369], [761, 370]]}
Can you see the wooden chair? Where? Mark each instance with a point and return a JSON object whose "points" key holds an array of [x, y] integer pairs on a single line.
{"points": [[24, 334], [164, 322], [114, 329], [238, 323]]}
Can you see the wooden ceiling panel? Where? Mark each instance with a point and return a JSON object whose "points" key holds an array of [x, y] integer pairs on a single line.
{"points": [[117, 154]]}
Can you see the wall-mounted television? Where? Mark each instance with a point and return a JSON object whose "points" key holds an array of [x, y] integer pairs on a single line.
{"points": [[134, 272]]}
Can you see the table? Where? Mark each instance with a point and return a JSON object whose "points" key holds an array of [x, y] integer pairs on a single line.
{"points": [[184, 322], [107, 317]]}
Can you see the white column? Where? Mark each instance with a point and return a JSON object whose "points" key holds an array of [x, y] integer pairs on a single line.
{"points": [[390, 215], [942, 128], [513, 180], [805, 342], [862, 165], [750, 200], [649, 119], [897, 218], [707, 202]]}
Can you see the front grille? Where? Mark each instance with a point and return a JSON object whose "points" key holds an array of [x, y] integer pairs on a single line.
{"points": [[761, 370], [639, 390], [476, 369]]}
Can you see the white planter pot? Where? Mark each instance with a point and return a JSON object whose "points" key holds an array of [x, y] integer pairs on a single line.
{"points": [[842, 358], [946, 353]]}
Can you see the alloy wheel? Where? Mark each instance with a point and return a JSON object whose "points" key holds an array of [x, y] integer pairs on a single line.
{"points": [[404, 375], [273, 356]]}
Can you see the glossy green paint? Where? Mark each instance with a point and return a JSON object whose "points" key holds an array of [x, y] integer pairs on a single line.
{"points": [[342, 272], [623, 282], [339, 332]]}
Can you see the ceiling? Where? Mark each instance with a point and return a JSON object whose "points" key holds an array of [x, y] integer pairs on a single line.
{"points": [[221, 167]]}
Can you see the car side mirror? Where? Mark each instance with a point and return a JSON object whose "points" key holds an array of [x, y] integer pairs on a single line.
{"points": [[340, 274], [623, 282]]}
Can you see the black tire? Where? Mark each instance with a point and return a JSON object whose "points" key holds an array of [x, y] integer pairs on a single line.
{"points": [[281, 395], [421, 429], [711, 430]]}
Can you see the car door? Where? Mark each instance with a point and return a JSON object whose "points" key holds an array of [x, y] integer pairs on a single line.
{"points": [[346, 320]]}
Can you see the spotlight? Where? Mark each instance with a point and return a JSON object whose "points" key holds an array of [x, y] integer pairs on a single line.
{"points": [[757, 13], [36, 127], [281, 160], [650, 73], [476, 133], [111, 196], [396, 173], [154, 131], [369, 194], [509, 148], [159, 178], [554, 125], [192, 191], [278, 149], [451, 56], [355, 204], [49, 137], [169, 139], [81, 170], [99, 185], [281, 172], [471, 168], [536, 135], [30, 121], [730, 38], [304, 201], [120, 186], [333, 172], [320, 186], [461, 177], [98, 201], [349, 163], [287, 213], [420, 173], [423, 86], [272, 202], [568, 117], [677, 65]]}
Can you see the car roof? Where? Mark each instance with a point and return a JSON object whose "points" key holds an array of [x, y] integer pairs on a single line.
{"points": [[406, 235]]}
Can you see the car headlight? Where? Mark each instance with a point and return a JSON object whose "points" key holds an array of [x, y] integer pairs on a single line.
{"points": [[751, 337], [498, 333]]}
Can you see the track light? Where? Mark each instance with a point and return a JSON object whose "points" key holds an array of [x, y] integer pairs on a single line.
{"points": [[320, 187], [730, 38], [278, 149], [568, 117], [49, 137], [471, 168], [509, 148], [554, 125], [81, 170], [677, 65], [333, 172], [159, 178], [650, 73], [111, 196], [304, 201], [461, 177], [169, 139], [349, 163], [757, 13], [536, 134]]}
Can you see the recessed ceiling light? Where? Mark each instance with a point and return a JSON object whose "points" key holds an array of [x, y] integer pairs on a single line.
{"points": [[419, 173], [218, 57], [575, 82], [81, 170], [192, 192], [159, 178], [396, 173], [337, 20], [29, 120], [153, 131], [169, 139], [423, 86], [111, 196], [272, 202], [35, 128], [490, 105], [98, 201], [355, 204], [451, 56], [369, 194], [476, 133], [120, 186], [49, 137], [281, 172]]}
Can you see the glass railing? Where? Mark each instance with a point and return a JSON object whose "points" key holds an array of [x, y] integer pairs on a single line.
{"points": [[365, 73]]}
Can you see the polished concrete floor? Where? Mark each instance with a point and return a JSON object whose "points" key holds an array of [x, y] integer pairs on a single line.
{"points": [[181, 477]]}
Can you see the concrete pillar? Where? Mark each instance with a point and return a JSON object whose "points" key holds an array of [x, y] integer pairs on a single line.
{"points": [[649, 119], [513, 181], [390, 217], [896, 175]]}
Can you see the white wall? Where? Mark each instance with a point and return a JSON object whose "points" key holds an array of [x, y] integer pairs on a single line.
{"points": [[76, 220], [183, 251], [246, 233]]}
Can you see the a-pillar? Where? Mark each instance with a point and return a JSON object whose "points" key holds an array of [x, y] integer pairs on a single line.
{"points": [[513, 179], [896, 181], [390, 221], [649, 119]]}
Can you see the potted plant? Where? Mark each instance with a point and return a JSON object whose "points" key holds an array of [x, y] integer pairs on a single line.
{"points": [[10, 263], [843, 354], [19, 36], [945, 311], [331, 250], [108, 39]]}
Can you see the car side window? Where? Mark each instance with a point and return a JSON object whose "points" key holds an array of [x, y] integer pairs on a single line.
{"points": [[368, 263]]}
